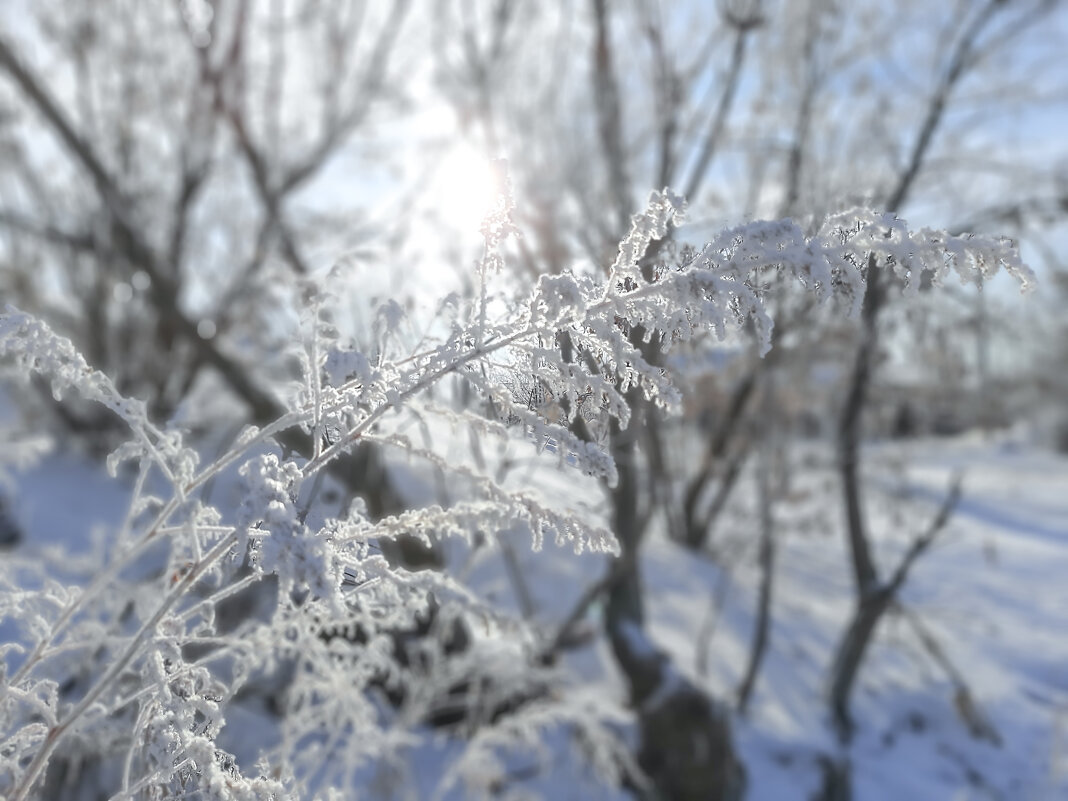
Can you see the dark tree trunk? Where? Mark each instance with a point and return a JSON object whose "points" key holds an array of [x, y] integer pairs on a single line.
{"points": [[766, 560], [686, 748], [837, 782], [850, 654]]}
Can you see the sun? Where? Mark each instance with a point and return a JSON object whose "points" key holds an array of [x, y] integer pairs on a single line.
{"points": [[463, 189]]}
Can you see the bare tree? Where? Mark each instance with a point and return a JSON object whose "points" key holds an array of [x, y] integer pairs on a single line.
{"points": [[216, 151], [151, 162], [873, 595]]}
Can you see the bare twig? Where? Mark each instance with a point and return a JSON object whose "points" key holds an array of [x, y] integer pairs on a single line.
{"points": [[964, 702], [924, 541], [589, 597], [743, 25]]}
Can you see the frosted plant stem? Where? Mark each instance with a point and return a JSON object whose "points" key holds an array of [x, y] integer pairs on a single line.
{"points": [[127, 763], [224, 593], [426, 381], [225, 649], [134, 791], [436, 375], [316, 390], [283, 423], [57, 732], [480, 332], [102, 578]]}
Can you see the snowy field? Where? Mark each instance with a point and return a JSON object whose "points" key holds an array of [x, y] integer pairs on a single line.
{"points": [[963, 696], [986, 609]]}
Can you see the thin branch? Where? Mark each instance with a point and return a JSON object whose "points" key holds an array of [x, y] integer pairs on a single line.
{"points": [[370, 88], [667, 95], [743, 26], [1041, 209], [49, 233], [958, 63], [802, 127], [610, 117], [616, 570], [924, 541], [977, 723]]}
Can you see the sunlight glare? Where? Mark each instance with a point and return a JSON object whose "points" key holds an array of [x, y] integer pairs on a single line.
{"points": [[463, 189]]}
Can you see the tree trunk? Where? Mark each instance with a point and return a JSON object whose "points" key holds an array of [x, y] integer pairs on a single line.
{"points": [[850, 654], [685, 737], [767, 579]]}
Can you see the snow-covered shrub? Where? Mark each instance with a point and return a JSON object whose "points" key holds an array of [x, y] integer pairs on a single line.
{"points": [[138, 668]]}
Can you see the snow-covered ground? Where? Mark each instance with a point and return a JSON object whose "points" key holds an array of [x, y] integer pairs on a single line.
{"points": [[991, 595]]}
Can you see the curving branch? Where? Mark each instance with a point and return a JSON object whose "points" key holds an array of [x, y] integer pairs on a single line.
{"points": [[743, 25], [610, 117], [876, 599]]}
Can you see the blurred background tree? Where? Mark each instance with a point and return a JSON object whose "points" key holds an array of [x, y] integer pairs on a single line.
{"points": [[170, 171]]}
